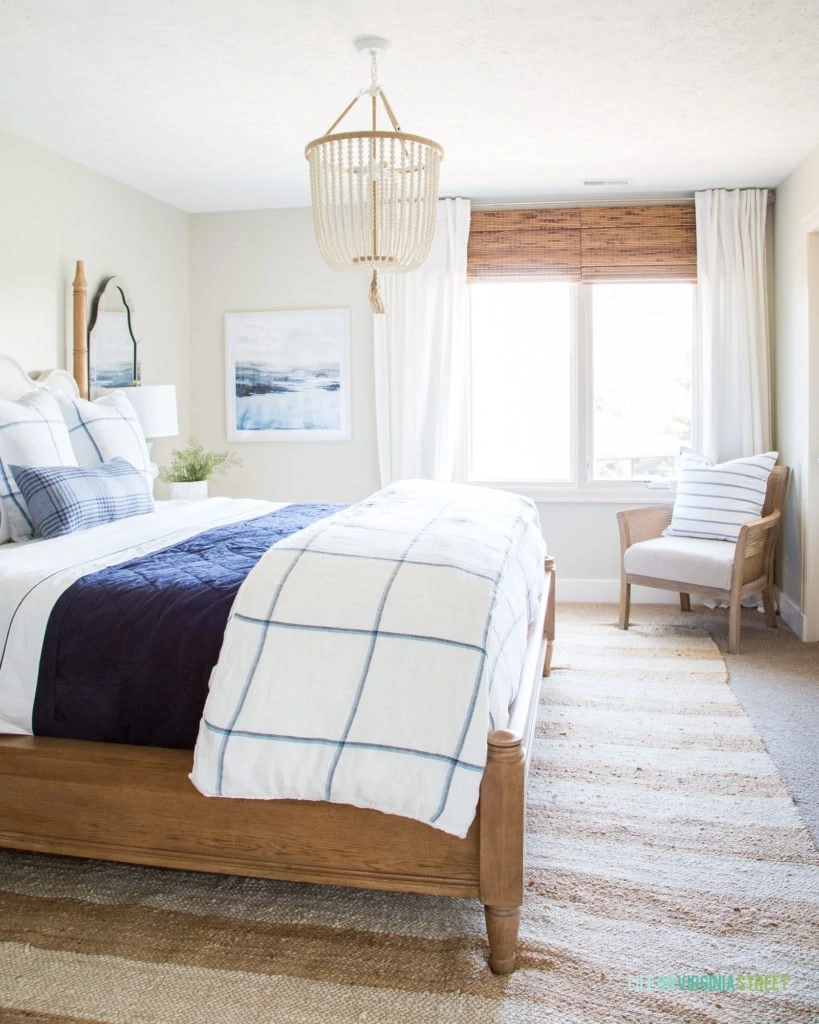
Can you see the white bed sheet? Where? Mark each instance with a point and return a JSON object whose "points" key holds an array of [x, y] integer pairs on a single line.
{"points": [[33, 575]]}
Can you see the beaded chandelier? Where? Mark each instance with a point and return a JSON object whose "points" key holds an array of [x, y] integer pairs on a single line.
{"points": [[374, 193]]}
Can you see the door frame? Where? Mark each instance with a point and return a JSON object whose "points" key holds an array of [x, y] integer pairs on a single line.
{"points": [[810, 490]]}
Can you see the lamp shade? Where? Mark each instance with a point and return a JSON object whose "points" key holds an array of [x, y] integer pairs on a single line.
{"points": [[155, 406]]}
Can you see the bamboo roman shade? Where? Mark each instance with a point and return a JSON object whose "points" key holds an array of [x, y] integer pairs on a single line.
{"points": [[585, 244]]}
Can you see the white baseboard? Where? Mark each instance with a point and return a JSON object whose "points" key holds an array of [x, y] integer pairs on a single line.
{"points": [[792, 614], [608, 592]]}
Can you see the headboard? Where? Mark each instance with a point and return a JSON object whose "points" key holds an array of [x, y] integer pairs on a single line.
{"points": [[14, 381]]}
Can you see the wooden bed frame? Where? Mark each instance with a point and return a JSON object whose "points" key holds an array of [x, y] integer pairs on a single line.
{"points": [[136, 805]]}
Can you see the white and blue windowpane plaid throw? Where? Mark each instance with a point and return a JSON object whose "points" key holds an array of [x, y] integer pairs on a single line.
{"points": [[367, 656]]}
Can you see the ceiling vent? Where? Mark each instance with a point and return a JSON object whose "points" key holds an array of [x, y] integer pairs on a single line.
{"points": [[606, 181]]}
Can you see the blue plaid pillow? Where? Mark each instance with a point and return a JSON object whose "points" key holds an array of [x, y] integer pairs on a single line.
{"points": [[63, 499]]}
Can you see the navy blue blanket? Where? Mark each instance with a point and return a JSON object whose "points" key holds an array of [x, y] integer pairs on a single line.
{"points": [[128, 651]]}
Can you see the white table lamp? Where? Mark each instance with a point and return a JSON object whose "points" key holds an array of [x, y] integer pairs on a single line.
{"points": [[155, 406]]}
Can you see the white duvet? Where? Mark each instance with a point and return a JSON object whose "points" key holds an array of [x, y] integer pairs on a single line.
{"points": [[33, 575]]}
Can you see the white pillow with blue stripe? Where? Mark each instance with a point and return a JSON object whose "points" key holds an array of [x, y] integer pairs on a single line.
{"points": [[64, 499], [714, 500], [106, 429], [32, 433]]}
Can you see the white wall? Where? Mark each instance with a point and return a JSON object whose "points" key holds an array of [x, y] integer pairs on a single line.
{"points": [[54, 212], [796, 383], [585, 543], [262, 260]]}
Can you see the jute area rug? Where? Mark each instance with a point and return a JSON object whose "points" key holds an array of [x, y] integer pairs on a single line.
{"points": [[665, 857]]}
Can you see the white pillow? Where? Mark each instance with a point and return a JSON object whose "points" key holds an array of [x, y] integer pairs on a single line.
{"points": [[106, 429], [714, 501], [32, 433]]}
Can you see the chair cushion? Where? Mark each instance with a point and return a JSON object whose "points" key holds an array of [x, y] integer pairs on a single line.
{"points": [[707, 563], [714, 501]]}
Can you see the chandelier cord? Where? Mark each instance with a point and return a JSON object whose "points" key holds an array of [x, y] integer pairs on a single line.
{"points": [[375, 88], [373, 91]]}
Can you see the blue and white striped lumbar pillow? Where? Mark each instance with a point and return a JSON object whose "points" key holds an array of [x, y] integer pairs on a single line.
{"points": [[63, 499], [714, 501]]}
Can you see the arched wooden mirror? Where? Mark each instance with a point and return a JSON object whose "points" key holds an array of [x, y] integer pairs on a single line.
{"points": [[113, 349]]}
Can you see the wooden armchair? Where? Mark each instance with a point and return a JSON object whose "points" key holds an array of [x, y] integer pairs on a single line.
{"points": [[689, 565]]}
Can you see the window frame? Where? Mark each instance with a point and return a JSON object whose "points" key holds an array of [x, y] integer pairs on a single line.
{"points": [[583, 488]]}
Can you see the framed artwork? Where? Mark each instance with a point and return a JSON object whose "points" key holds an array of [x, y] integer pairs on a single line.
{"points": [[288, 375]]}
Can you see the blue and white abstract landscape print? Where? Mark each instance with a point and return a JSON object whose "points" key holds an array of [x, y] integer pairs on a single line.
{"points": [[288, 375]]}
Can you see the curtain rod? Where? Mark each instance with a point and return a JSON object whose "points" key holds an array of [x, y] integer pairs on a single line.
{"points": [[634, 199]]}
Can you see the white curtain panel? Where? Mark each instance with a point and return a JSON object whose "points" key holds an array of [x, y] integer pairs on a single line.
{"points": [[421, 359], [734, 389]]}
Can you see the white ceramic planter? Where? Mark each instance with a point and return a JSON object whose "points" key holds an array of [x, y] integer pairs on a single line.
{"points": [[193, 491]]}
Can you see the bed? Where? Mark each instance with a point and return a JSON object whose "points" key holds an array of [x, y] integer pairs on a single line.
{"points": [[135, 804]]}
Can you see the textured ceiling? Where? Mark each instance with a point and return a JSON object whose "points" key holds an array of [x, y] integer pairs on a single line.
{"points": [[208, 104]]}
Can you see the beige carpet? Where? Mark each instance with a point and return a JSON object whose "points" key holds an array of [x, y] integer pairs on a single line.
{"points": [[663, 846]]}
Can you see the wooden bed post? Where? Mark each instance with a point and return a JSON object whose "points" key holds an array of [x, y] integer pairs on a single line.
{"points": [[549, 622], [502, 820], [81, 330]]}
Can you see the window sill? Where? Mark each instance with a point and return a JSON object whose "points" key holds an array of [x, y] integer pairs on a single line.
{"points": [[590, 494]]}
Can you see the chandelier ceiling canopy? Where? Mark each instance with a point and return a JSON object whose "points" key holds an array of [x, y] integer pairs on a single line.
{"points": [[374, 193]]}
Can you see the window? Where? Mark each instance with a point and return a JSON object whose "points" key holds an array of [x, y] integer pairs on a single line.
{"points": [[580, 384], [641, 361], [521, 373]]}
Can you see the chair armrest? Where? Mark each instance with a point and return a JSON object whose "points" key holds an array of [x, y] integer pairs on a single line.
{"points": [[755, 546], [644, 523]]}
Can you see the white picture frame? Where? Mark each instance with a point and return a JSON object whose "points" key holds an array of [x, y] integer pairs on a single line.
{"points": [[287, 375]]}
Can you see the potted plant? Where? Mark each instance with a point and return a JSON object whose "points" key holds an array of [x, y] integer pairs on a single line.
{"points": [[191, 467]]}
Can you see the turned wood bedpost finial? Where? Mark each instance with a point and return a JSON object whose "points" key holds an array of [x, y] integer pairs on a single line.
{"points": [[502, 819], [81, 330], [504, 747]]}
